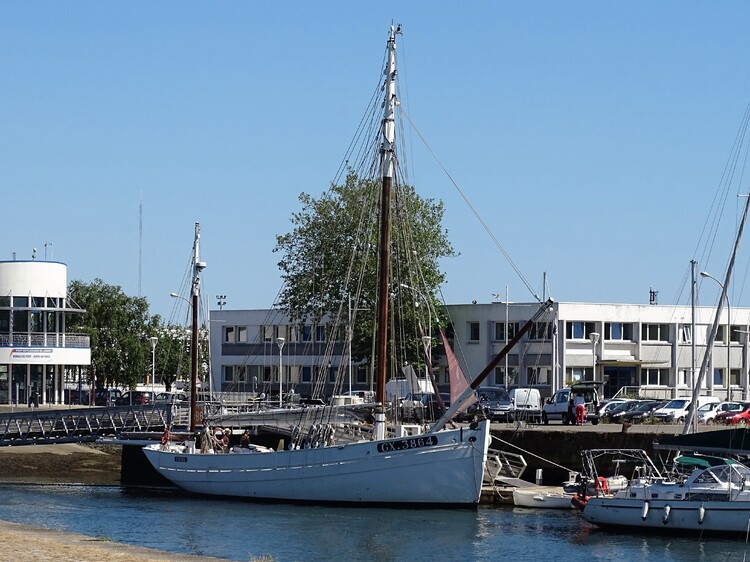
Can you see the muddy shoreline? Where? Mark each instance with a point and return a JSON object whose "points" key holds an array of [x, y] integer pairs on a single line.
{"points": [[71, 463]]}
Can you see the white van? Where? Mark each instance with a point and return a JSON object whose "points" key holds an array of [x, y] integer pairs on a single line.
{"points": [[677, 410], [526, 404]]}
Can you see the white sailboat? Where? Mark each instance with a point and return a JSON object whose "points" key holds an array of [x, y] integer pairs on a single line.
{"points": [[443, 466]]}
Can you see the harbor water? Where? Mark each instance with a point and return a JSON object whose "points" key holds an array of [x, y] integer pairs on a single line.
{"points": [[237, 530]]}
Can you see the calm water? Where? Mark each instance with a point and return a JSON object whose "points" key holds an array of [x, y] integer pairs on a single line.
{"points": [[239, 530]]}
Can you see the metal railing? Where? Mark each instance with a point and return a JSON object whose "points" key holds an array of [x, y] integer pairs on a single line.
{"points": [[82, 424], [45, 340]]}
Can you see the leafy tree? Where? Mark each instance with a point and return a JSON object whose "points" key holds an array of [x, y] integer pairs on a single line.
{"points": [[119, 327], [331, 253]]}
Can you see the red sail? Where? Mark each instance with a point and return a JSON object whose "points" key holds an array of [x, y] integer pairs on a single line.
{"points": [[456, 376]]}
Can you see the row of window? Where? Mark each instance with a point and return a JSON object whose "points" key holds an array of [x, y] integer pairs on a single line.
{"points": [[25, 321], [271, 333], [260, 374], [613, 331], [31, 302]]}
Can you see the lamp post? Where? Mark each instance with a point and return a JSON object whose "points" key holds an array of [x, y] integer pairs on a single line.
{"points": [[154, 340], [729, 333], [594, 337], [280, 342]]}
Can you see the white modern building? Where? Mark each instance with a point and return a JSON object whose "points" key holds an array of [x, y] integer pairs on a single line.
{"points": [[644, 349], [38, 358]]}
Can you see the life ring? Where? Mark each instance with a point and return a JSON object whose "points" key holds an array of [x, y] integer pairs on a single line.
{"points": [[601, 485], [165, 437]]}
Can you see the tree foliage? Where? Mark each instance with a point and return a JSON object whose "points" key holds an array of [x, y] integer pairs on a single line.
{"points": [[119, 327], [331, 253]]}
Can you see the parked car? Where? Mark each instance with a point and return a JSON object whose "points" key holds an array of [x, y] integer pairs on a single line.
{"points": [[559, 405], [708, 412], [172, 397], [133, 397], [606, 405], [526, 403], [676, 410], [494, 402], [106, 396], [419, 406], [642, 412], [739, 414]]}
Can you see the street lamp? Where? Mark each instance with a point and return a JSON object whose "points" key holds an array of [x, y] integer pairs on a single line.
{"points": [[594, 337], [221, 300], [153, 339], [729, 333], [280, 342]]}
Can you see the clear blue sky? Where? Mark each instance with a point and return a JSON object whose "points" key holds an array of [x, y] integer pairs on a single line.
{"points": [[591, 136]]}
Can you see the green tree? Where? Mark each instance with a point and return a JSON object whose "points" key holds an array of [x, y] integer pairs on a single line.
{"points": [[331, 253], [119, 327]]}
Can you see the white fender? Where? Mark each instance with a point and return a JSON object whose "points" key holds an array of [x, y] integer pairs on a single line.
{"points": [[667, 509], [701, 514], [644, 512]]}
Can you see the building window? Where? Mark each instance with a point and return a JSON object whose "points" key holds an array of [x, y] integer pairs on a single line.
{"points": [[228, 373], [578, 374], [20, 321], [718, 377], [655, 332], [307, 332], [267, 333], [654, 377], [537, 375], [734, 377], [473, 331], [502, 380], [320, 333], [578, 330], [229, 334], [685, 333], [540, 331], [307, 374], [20, 302], [736, 333], [618, 331], [361, 374], [500, 331]]}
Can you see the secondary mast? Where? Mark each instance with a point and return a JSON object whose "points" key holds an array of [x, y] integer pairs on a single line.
{"points": [[198, 267]]}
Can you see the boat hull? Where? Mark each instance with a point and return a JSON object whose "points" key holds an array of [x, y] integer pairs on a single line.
{"points": [[542, 499], [445, 467], [669, 515]]}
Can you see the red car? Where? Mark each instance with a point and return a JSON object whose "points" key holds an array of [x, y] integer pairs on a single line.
{"points": [[735, 416]]}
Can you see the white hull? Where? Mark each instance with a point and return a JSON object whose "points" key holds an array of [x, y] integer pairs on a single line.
{"points": [[542, 498], [683, 515], [445, 467]]}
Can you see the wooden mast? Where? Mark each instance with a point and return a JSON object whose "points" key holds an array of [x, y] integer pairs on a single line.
{"points": [[198, 266], [387, 167]]}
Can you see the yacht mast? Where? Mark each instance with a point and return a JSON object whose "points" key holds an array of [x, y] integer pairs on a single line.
{"points": [[387, 167]]}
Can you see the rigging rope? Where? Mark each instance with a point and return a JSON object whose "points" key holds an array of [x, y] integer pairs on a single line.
{"points": [[473, 210]]}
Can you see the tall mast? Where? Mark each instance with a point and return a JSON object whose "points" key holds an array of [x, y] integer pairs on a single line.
{"points": [[715, 326], [387, 167], [198, 266]]}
